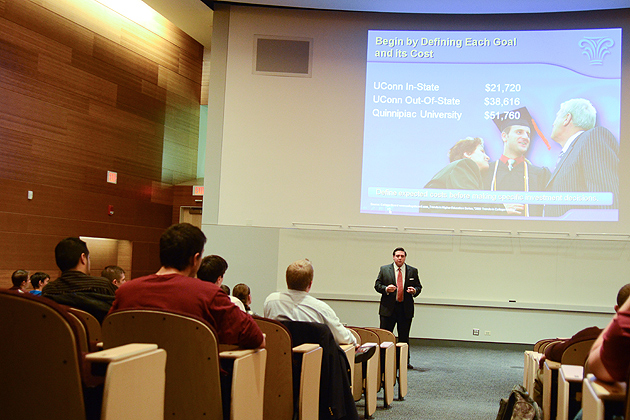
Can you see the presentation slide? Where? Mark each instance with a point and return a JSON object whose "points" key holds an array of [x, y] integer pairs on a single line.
{"points": [[493, 124]]}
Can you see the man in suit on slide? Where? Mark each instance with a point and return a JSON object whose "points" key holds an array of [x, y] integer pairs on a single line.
{"points": [[589, 158], [398, 284]]}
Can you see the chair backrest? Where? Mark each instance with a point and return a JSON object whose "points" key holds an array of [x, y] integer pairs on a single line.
{"points": [[383, 335], [92, 326], [356, 335], [577, 353], [279, 402], [39, 329], [193, 389], [366, 335]]}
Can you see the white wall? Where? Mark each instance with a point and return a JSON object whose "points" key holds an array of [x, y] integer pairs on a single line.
{"points": [[561, 283]]}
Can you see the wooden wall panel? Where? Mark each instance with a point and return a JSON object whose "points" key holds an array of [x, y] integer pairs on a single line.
{"points": [[84, 90]]}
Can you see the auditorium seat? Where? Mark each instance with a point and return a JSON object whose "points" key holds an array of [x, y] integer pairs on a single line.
{"points": [[47, 376], [288, 369], [574, 355], [602, 400], [92, 327], [193, 372], [387, 341], [366, 378], [335, 394], [569, 391]]}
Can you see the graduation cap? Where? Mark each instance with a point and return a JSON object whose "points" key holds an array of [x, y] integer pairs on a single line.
{"points": [[520, 116]]}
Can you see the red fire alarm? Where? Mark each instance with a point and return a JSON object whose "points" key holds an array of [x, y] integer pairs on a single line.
{"points": [[110, 210]]}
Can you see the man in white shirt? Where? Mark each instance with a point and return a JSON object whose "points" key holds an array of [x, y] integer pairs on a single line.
{"points": [[297, 305]]}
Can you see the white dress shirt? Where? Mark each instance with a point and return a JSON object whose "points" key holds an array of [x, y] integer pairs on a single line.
{"points": [[296, 305]]}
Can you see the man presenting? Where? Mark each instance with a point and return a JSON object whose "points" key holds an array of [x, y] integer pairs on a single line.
{"points": [[589, 158], [512, 171], [398, 284]]}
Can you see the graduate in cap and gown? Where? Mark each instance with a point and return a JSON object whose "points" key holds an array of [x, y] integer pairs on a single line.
{"points": [[513, 171]]}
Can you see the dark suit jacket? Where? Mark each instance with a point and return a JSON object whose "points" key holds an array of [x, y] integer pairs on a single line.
{"points": [[589, 165], [335, 395], [387, 276]]}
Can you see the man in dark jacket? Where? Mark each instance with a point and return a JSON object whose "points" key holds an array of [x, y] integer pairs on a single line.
{"points": [[76, 287]]}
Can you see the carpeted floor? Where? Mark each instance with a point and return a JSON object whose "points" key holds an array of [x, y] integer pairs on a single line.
{"points": [[456, 381]]}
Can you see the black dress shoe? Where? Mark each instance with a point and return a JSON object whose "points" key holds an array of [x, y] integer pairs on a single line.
{"points": [[363, 353], [409, 366]]}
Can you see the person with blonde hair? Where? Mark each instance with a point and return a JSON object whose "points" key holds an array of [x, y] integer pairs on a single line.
{"points": [[297, 305]]}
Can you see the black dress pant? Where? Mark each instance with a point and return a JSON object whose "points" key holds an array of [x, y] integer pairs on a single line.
{"points": [[398, 319]]}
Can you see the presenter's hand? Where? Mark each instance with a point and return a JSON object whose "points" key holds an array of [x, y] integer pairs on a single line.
{"points": [[411, 290], [390, 288]]}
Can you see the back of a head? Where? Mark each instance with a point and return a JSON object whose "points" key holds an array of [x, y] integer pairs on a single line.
{"points": [[112, 272], [68, 253], [179, 243], [18, 277], [623, 295], [299, 275], [37, 278], [241, 291], [226, 289], [212, 267]]}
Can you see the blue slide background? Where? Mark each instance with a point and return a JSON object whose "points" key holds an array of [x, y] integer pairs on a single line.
{"points": [[550, 67]]}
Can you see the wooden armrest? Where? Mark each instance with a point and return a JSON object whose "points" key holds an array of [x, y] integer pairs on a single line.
{"points": [[387, 344], [305, 348], [569, 391], [596, 393], [248, 381], [236, 354], [553, 365], [119, 353], [145, 374]]}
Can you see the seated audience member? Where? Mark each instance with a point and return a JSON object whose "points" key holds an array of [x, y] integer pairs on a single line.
{"points": [[175, 288], [609, 359], [242, 292], [554, 351], [19, 278], [75, 287], [212, 269], [297, 305], [114, 274], [38, 281]]}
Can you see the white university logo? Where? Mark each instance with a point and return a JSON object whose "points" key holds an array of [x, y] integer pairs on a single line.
{"points": [[595, 49]]}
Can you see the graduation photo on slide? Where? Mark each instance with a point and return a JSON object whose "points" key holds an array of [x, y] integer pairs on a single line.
{"points": [[487, 124]]}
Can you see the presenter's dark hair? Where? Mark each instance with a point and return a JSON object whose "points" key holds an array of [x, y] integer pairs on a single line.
{"points": [[68, 253], [400, 248], [467, 145], [38, 278], [179, 243], [18, 277], [212, 267]]}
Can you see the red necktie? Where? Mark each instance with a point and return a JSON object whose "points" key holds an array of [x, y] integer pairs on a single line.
{"points": [[399, 286]]}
